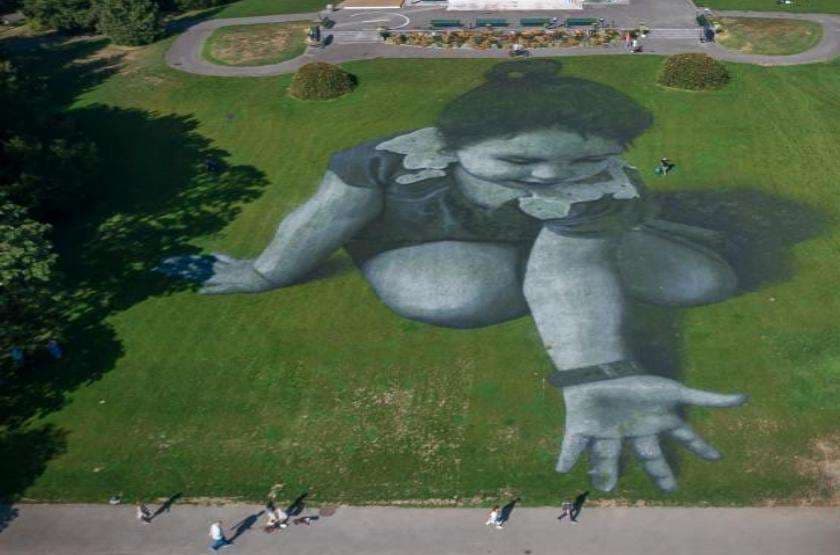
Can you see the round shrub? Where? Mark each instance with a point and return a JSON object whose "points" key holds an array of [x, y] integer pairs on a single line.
{"points": [[694, 72], [321, 81]]}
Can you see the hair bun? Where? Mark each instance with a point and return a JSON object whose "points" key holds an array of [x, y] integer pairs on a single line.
{"points": [[524, 70]]}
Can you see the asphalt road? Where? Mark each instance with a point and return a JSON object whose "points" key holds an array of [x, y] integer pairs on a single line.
{"points": [[355, 41], [103, 529]]}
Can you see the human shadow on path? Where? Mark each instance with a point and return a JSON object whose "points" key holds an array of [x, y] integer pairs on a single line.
{"points": [[296, 507], [244, 525], [507, 510], [577, 506], [166, 506]]}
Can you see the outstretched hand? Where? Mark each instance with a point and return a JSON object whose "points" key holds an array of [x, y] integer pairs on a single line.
{"points": [[218, 273], [600, 415]]}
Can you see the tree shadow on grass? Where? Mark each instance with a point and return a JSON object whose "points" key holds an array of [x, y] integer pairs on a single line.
{"points": [[7, 515], [155, 196]]}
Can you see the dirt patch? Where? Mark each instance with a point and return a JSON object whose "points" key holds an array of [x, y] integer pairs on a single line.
{"points": [[249, 45], [773, 37], [824, 466], [112, 59]]}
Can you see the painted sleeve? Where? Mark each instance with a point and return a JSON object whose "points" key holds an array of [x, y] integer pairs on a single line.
{"points": [[364, 166]]}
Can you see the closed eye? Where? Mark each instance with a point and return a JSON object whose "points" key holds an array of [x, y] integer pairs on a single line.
{"points": [[590, 160], [520, 161]]}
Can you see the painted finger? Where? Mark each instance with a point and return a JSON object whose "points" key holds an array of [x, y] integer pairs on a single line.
{"points": [[573, 446], [603, 460], [694, 443], [653, 462], [710, 398]]}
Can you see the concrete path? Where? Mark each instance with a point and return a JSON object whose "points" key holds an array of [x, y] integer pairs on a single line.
{"points": [[97, 529], [357, 40]]}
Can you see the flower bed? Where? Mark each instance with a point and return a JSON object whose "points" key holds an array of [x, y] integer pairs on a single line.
{"points": [[487, 39]]}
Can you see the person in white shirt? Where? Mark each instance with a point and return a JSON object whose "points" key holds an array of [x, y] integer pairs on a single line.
{"points": [[493, 517], [218, 536]]}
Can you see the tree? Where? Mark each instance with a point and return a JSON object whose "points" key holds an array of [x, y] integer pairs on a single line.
{"points": [[129, 22], [46, 164], [28, 298], [187, 5], [72, 16], [8, 6]]}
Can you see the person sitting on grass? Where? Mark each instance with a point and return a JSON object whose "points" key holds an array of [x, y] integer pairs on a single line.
{"points": [[664, 166], [516, 203]]}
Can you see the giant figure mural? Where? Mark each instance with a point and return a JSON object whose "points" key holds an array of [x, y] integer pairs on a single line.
{"points": [[517, 203]]}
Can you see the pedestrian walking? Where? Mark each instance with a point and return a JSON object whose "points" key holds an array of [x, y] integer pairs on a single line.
{"points": [[218, 536], [493, 517], [565, 510], [143, 513]]}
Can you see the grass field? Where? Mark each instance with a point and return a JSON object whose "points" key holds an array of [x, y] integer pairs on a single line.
{"points": [[772, 37], [321, 386], [256, 45], [800, 6]]}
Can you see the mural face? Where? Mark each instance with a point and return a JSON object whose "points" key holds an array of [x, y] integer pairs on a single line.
{"points": [[517, 203]]}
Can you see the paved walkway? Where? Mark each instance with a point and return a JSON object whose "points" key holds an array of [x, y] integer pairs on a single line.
{"points": [[354, 40], [98, 529]]}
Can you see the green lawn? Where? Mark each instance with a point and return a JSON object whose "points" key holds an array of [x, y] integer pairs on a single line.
{"points": [[256, 45], [802, 6], [319, 385], [248, 8], [772, 37]]}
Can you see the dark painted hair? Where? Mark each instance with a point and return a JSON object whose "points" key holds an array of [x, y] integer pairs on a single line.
{"points": [[522, 96]]}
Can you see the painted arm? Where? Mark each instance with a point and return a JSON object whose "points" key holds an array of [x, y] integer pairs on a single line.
{"points": [[575, 294], [304, 239]]}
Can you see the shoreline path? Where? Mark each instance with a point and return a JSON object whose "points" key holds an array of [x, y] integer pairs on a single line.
{"points": [[357, 40], [114, 530]]}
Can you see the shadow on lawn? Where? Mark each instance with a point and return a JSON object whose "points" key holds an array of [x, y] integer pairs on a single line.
{"points": [[757, 230], [156, 194]]}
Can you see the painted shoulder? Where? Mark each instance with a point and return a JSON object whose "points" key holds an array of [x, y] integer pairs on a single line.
{"points": [[404, 159]]}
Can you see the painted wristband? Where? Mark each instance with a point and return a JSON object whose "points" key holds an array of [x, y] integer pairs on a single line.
{"points": [[596, 373]]}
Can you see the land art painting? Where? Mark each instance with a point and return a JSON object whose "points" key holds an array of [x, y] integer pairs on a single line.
{"points": [[518, 204]]}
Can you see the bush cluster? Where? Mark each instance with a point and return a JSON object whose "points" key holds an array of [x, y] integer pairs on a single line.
{"points": [[70, 16], [129, 23], [694, 72], [321, 81]]}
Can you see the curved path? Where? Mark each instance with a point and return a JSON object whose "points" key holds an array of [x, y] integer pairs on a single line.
{"points": [[348, 45]]}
